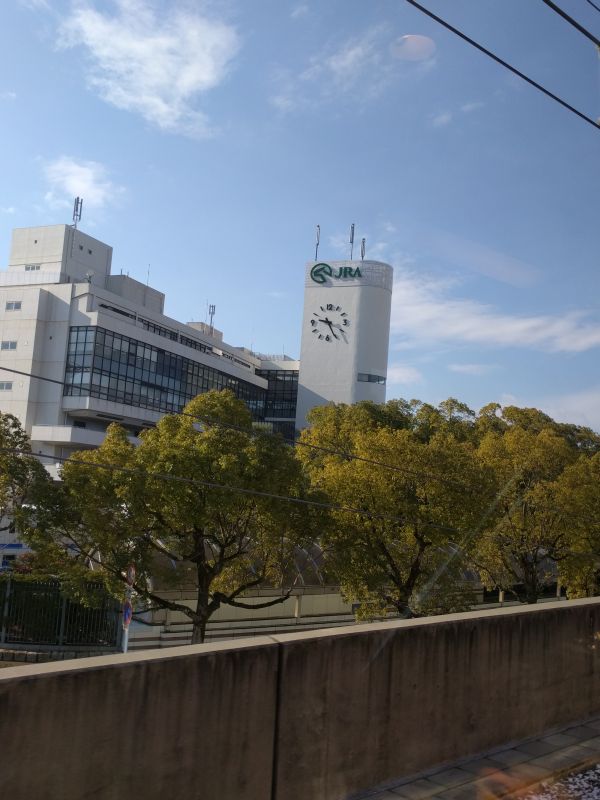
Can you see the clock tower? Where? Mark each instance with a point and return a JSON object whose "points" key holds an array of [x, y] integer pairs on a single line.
{"points": [[345, 334]]}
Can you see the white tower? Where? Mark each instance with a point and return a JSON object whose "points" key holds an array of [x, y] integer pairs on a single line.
{"points": [[345, 334]]}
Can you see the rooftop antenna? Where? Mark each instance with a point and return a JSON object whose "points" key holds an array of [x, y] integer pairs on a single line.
{"points": [[362, 249], [351, 240], [77, 206], [148, 276], [211, 313], [318, 239]]}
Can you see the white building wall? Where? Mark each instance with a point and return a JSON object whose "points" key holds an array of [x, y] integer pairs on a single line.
{"points": [[60, 248], [330, 366]]}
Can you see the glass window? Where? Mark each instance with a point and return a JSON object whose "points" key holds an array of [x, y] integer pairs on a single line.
{"points": [[8, 345], [5, 386], [13, 305], [166, 383], [366, 378]]}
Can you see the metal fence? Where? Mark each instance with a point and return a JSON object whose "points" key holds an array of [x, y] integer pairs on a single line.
{"points": [[38, 614]]}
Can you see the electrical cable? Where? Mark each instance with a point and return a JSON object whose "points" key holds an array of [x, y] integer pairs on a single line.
{"points": [[504, 63], [291, 442], [593, 5], [269, 495], [572, 22], [207, 484], [224, 487]]}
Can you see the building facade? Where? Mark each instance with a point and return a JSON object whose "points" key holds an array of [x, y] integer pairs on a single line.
{"points": [[345, 334], [102, 350], [81, 347]]}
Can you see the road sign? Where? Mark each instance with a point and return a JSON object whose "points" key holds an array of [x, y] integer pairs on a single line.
{"points": [[127, 614]]}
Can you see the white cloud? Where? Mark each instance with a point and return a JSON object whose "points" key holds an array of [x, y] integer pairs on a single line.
{"points": [[361, 67], [443, 119], [154, 65], [582, 407], [7, 209], [423, 309], [299, 11], [403, 373], [36, 5], [484, 260], [467, 108], [8, 95], [471, 369], [446, 117], [69, 178], [345, 66]]}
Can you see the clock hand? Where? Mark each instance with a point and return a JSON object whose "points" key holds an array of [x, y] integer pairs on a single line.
{"points": [[331, 328]]}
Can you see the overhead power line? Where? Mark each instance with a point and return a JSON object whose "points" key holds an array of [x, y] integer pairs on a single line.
{"points": [[225, 487], [572, 22], [593, 5], [295, 443], [291, 442], [504, 63], [467, 534]]}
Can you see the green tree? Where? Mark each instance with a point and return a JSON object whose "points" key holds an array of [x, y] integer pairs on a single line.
{"points": [[578, 489], [405, 550], [23, 480], [185, 532], [529, 533]]}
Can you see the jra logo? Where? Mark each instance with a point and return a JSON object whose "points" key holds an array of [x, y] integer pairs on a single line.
{"points": [[320, 272]]}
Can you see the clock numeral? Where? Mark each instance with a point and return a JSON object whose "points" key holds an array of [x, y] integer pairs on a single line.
{"points": [[329, 306], [313, 322], [328, 338], [346, 322]]}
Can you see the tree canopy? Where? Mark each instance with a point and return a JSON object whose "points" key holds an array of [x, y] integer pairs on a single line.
{"points": [[167, 507], [410, 505], [402, 551], [23, 480]]}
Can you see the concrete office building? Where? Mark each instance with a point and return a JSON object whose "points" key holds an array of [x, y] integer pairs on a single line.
{"points": [[108, 352]]}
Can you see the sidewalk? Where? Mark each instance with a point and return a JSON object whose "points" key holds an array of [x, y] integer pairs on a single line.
{"points": [[503, 772]]}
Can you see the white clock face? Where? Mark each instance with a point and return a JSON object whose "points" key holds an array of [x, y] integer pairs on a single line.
{"points": [[330, 323]]}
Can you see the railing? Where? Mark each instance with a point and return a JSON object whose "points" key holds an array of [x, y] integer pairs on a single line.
{"points": [[38, 614]]}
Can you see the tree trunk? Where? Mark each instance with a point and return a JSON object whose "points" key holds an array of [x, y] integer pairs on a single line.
{"points": [[532, 588], [199, 630], [202, 615], [402, 604]]}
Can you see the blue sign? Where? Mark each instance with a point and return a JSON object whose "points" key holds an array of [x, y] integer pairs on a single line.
{"points": [[127, 613]]}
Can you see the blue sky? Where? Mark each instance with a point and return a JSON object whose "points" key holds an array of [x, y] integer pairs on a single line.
{"points": [[209, 138]]}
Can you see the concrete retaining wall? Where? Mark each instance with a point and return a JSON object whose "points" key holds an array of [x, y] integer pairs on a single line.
{"points": [[317, 715]]}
